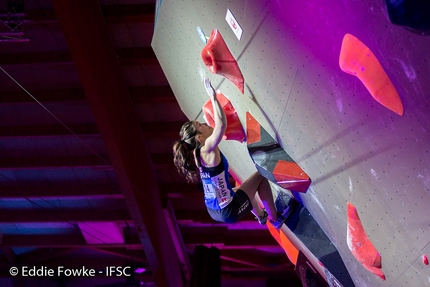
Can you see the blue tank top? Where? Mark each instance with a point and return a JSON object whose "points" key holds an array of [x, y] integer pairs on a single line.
{"points": [[217, 189]]}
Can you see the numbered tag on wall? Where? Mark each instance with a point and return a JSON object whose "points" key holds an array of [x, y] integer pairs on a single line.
{"points": [[234, 25]]}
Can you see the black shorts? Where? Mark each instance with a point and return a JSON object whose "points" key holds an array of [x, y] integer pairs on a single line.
{"points": [[235, 210]]}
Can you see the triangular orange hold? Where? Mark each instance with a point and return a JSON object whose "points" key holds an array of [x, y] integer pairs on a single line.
{"points": [[360, 245], [358, 60], [253, 132], [289, 175], [234, 129], [219, 60]]}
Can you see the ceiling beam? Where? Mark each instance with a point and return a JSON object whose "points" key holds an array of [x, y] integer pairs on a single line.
{"points": [[182, 192], [132, 242], [43, 96], [57, 241], [40, 255], [224, 231], [45, 215], [125, 56], [201, 216], [91, 161], [149, 129], [97, 64], [47, 130], [65, 191], [243, 242], [63, 241], [117, 252], [144, 94]]}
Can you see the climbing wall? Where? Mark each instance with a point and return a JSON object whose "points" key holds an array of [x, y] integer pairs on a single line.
{"points": [[352, 147]]}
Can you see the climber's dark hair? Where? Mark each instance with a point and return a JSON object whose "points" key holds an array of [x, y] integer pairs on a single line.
{"points": [[183, 152]]}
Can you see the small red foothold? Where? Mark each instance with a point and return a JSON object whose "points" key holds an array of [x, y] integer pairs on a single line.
{"points": [[425, 260], [320, 263]]}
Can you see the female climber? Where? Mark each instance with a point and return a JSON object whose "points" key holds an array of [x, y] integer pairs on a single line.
{"points": [[198, 158]]}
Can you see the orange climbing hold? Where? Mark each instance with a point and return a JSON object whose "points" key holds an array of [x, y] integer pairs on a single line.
{"points": [[234, 129], [219, 60], [360, 245], [275, 233], [253, 130], [357, 59], [289, 175], [290, 250]]}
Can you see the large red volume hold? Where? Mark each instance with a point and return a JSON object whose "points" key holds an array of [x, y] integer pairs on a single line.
{"points": [[219, 60], [234, 129], [360, 245], [358, 60]]}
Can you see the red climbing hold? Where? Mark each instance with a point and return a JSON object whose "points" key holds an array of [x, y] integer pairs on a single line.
{"points": [[360, 245], [234, 129], [357, 59], [219, 60], [425, 260]]}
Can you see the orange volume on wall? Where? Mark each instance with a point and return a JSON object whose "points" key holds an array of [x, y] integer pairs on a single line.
{"points": [[358, 60], [360, 245], [219, 60], [234, 129]]}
